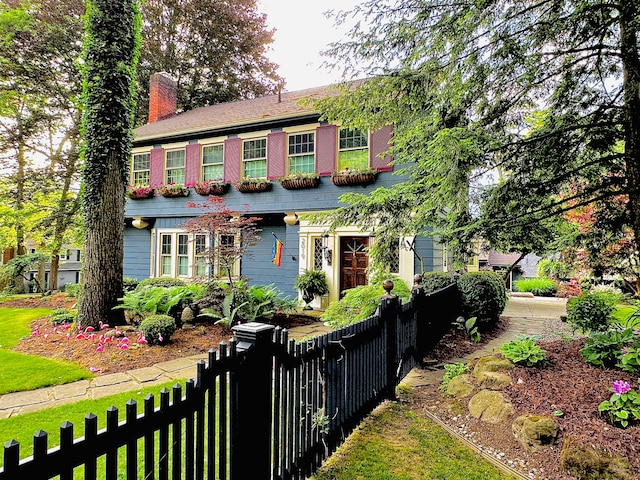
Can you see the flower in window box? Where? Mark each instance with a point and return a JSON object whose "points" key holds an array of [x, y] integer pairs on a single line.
{"points": [[138, 192], [250, 185], [354, 176], [211, 187], [173, 190], [296, 181]]}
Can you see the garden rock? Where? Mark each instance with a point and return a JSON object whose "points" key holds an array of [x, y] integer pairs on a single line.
{"points": [[460, 386], [534, 431], [490, 406], [588, 463], [492, 363], [493, 380]]}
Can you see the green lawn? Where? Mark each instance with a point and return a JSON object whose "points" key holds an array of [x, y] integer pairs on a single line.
{"points": [[26, 372], [395, 444]]}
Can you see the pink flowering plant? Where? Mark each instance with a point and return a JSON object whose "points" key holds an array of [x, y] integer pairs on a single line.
{"points": [[623, 407], [139, 191]]}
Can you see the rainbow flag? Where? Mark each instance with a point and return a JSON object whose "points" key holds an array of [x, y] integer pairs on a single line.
{"points": [[276, 251]]}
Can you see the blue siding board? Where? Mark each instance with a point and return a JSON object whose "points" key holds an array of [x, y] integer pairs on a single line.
{"points": [[137, 253]]}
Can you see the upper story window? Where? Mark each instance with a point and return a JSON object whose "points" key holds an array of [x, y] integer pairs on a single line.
{"points": [[254, 158], [301, 156], [140, 168], [175, 166], [353, 149], [213, 162]]}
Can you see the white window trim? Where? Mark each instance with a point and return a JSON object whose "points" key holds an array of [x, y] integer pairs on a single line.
{"points": [[202, 165], [265, 158], [156, 239]]}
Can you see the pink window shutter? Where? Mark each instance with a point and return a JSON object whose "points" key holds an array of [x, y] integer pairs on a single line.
{"points": [[276, 155], [326, 149], [380, 142], [192, 164], [156, 168], [232, 159]]}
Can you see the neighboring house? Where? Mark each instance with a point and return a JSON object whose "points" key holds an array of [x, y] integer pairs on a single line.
{"points": [[68, 271], [269, 138]]}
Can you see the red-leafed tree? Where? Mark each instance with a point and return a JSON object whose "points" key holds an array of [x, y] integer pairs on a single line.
{"points": [[230, 234]]}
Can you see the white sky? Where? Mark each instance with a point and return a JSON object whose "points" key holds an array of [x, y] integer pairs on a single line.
{"points": [[302, 31]]}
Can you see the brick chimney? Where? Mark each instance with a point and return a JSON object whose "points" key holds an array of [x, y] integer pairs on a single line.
{"points": [[163, 97]]}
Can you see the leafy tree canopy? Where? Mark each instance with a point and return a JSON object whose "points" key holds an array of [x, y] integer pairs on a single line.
{"points": [[506, 114]]}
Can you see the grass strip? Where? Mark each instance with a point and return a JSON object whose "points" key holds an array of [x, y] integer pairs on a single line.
{"points": [[22, 372]]}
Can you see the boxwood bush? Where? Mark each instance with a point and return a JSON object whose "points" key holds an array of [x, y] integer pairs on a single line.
{"points": [[160, 282], [484, 296], [158, 329], [590, 312], [432, 281]]}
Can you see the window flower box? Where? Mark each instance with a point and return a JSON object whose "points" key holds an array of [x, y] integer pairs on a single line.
{"points": [[298, 181], [172, 190], [211, 187], [139, 193], [360, 176], [253, 185]]}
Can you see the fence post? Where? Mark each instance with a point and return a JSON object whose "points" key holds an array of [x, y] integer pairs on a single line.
{"points": [[389, 317], [251, 412]]}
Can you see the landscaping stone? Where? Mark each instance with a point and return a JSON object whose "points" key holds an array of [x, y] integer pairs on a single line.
{"points": [[534, 431], [490, 406], [492, 363], [588, 463], [460, 386], [493, 380]]}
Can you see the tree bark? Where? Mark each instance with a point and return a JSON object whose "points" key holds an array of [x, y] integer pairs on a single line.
{"points": [[104, 254], [631, 84]]}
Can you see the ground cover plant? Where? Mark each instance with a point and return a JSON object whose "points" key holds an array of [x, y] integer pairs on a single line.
{"points": [[26, 372]]}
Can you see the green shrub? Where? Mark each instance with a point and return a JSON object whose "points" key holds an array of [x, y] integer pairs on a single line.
{"points": [[157, 329], [73, 289], [484, 296], [432, 281], [63, 315], [130, 284], [160, 282], [524, 351], [590, 312], [604, 349], [630, 359], [540, 287], [360, 302]]}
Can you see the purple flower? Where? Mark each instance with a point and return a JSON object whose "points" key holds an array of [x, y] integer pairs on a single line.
{"points": [[620, 387], [637, 331], [624, 350]]}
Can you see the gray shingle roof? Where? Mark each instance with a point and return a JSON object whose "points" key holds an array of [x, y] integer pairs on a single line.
{"points": [[232, 114]]}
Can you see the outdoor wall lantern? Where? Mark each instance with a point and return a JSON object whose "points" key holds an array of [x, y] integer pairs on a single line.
{"points": [[140, 222], [290, 218], [328, 253]]}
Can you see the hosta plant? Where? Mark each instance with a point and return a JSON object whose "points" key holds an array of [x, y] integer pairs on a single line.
{"points": [[452, 370], [524, 351]]}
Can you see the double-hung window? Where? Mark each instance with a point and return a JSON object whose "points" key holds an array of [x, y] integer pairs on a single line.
{"points": [[301, 156], [353, 149], [254, 158], [213, 162], [186, 255], [175, 166], [140, 168]]}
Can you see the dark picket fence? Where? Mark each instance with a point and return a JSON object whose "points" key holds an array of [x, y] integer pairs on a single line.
{"points": [[263, 407]]}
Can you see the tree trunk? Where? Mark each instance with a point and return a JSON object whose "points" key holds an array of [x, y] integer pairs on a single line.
{"points": [[631, 83], [104, 255], [53, 272]]}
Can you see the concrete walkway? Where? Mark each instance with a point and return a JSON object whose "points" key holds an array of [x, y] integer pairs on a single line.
{"points": [[527, 317]]}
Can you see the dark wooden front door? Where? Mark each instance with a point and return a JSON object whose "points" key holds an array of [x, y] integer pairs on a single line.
{"points": [[354, 261]]}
